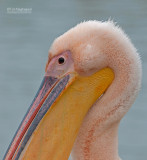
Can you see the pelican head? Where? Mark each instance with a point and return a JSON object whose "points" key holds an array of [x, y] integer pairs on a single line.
{"points": [[92, 77]]}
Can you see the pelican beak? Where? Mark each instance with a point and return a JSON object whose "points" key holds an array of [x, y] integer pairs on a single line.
{"points": [[52, 122]]}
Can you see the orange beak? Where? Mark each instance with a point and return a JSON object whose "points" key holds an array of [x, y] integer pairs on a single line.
{"points": [[52, 122]]}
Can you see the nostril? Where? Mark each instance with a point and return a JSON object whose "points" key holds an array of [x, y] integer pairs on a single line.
{"points": [[61, 60]]}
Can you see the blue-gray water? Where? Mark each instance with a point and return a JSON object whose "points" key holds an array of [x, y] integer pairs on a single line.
{"points": [[24, 43]]}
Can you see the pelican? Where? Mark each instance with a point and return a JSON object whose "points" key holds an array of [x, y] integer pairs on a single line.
{"points": [[92, 77]]}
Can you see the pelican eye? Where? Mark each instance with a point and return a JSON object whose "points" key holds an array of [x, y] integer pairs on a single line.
{"points": [[61, 60]]}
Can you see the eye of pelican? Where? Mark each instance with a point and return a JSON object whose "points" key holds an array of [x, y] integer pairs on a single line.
{"points": [[61, 60]]}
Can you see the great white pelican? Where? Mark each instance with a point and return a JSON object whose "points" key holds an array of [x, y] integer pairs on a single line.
{"points": [[92, 77]]}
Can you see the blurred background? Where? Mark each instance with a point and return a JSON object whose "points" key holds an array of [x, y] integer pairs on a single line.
{"points": [[24, 42]]}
